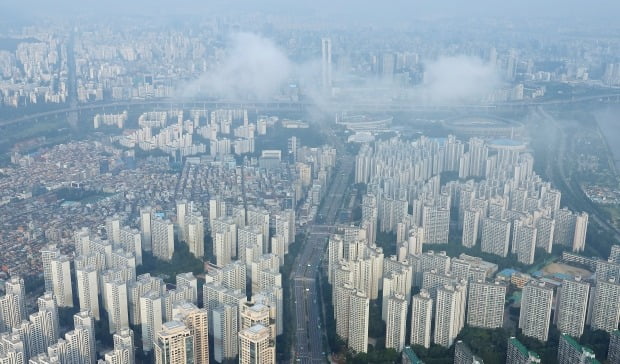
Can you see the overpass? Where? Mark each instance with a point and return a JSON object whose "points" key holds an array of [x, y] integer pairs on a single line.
{"points": [[290, 106]]}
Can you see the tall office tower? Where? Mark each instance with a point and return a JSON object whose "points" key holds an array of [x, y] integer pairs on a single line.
{"points": [[182, 211], [471, 221], [449, 313], [581, 228], [606, 308], [116, 304], [48, 253], [12, 349], [358, 322], [572, 306], [88, 290], [535, 313], [143, 284], [146, 214], [524, 240], [61, 278], [436, 224], [151, 318], [194, 234], [162, 238], [131, 242], [485, 306], [613, 353], [82, 346], [259, 217], [396, 322], [545, 228], [517, 353], [256, 346], [174, 344], [196, 320], [189, 281], [463, 354], [326, 63], [113, 228], [421, 317], [495, 236], [12, 304], [225, 327], [571, 352]]}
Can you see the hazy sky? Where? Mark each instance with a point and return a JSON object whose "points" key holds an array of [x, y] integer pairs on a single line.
{"points": [[356, 10]]}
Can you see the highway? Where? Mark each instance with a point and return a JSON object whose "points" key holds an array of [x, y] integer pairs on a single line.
{"points": [[309, 330], [293, 106]]}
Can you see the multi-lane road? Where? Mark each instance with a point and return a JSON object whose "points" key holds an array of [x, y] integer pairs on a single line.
{"points": [[309, 331]]}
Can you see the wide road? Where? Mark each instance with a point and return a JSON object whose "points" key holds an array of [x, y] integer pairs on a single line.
{"points": [[364, 106], [309, 332]]}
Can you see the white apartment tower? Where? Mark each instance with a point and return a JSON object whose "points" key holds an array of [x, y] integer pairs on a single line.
{"points": [[151, 318], [162, 235], [495, 236], [606, 308], [449, 313], [485, 306], [196, 320], [87, 280], [421, 316], [174, 344], [256, 346], [535, 313], [396, 322], [572, 306]]}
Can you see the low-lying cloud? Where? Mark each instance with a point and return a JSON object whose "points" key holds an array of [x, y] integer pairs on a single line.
{"points": [[459, 79], [253, 67]]}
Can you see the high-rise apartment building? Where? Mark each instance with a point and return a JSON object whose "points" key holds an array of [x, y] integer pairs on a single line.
{"points": [[606, 307], [572, 306], [256, 346], [495, 236], [421, 316], [517, 353], [535, 313], [174, 344], [396, 322], [485, 306], [449, 313]]}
